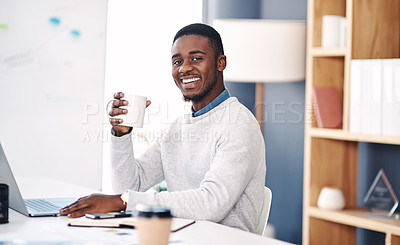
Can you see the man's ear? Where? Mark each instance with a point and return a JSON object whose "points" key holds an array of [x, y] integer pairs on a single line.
{"points": [[221, 60]]}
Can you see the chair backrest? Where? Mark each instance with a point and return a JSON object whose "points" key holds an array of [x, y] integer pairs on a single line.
{"points": [[263, 219]]}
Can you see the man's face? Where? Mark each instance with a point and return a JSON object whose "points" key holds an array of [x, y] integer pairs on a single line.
{"points": [[194, 67]]}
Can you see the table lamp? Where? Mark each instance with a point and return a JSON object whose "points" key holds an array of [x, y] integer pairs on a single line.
{"points": [[263, 51]]}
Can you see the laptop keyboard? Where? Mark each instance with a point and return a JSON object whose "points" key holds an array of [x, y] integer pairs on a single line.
{"points": [[41, 205]]}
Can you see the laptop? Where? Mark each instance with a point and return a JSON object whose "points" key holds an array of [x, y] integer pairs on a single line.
{"points": [[34, 207]]}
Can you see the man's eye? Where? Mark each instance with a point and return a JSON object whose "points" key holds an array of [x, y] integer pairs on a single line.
{"points": [[177, 62], [197, 58]]}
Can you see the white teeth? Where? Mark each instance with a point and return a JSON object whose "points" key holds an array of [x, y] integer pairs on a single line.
{"points": [[190, 80]]}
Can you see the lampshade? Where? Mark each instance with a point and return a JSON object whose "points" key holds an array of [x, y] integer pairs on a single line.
{"points": [[263, 50]]}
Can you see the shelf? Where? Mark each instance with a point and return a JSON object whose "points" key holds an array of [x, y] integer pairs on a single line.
{"points": [[356, 218], [338, 134], [331, 156], [328, 52]]}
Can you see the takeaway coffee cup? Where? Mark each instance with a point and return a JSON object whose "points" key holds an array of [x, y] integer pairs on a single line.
{"points": [[153, 224], [3, 203], [136, 108]]}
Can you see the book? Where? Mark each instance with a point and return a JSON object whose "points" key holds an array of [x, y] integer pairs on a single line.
{"points": [[126, 222], [388, 102], [396, 98], [366, 90], [375, 97], [376, 106], [372, 97], [328, 107], [356, 75]]}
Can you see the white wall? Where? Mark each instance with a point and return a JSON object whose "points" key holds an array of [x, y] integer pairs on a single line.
{"points": [[139, 41], [52, 59]]}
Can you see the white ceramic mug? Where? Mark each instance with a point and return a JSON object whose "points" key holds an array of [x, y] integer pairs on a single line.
{"points": [[333, 31], [136, 108], [331, 198]]}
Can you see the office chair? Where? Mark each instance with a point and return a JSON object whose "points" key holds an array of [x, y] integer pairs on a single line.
{"points": [[263, 219]]}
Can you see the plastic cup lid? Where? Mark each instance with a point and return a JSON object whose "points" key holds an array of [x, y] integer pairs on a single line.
{"points": [[153, 211]]}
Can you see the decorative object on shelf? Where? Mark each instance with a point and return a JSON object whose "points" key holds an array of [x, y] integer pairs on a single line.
{"points": [[333, 31], [263, 51], [380, 198], [331, 198], [328, 107]]}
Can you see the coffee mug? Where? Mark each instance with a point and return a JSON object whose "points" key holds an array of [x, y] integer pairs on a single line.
{"points": [[3, 203], [333, 31], [136, 108], [153, 225]]}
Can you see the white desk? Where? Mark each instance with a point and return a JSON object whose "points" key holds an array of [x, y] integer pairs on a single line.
{"points": [[45, 230], [22, 230]]}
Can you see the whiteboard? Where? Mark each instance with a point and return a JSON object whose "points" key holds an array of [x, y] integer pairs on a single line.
{"points": [[52, 65]]}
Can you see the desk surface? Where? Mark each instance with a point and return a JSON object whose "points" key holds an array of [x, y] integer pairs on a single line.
{"points": [[49, 230]]}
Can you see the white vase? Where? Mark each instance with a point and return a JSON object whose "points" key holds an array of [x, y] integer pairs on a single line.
{"points": [[331, 198]]}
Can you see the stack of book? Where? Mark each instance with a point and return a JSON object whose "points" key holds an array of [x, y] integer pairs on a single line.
{"points": [[375, 96], [328, 107]]}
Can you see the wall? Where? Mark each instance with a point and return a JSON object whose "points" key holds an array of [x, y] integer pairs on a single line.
{"points": [[285, 136], [283, 122], [245, 92], [52, 57]]}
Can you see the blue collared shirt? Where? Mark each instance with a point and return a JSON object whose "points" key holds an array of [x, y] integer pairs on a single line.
{"points": [[221, 98]]}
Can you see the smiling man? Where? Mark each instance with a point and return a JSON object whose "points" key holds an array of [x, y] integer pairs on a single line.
{"points": [[213, 160], [197, 69]]}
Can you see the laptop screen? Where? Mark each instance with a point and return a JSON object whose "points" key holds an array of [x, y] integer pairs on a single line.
{"points": [[6, 176]]}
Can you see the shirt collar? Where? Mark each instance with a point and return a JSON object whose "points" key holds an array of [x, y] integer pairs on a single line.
{"points": [[221, 98]]}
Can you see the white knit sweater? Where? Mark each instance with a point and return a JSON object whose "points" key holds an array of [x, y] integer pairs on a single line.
{"points": [[214, 166]]}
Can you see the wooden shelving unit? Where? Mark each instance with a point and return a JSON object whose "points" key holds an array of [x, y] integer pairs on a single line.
{"points": [[321, 52], [347, 136], [331, 155], [357, 217]]}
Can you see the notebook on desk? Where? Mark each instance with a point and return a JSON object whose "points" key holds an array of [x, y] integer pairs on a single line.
{"points": [[130, 222], [30, 207]]}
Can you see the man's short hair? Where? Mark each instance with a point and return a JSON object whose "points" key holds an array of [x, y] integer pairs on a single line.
{"points": [[206, 31]]}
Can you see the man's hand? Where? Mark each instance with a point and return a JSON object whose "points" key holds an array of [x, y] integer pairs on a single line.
{"points": [[115, 110], [95, 203]]}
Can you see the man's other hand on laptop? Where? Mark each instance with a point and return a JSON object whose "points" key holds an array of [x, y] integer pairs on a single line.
{"points": [[95, 203]]}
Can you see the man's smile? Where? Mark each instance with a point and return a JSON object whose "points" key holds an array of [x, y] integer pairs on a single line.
{"points": [[190, 80]]}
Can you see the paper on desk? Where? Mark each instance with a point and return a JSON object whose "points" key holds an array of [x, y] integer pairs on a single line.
{"points": [[58, 233], [98, 236], [177, 223], [101, 236], [22, 242]]}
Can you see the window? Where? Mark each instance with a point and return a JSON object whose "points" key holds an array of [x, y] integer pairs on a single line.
{"points": [[138, 58]]}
